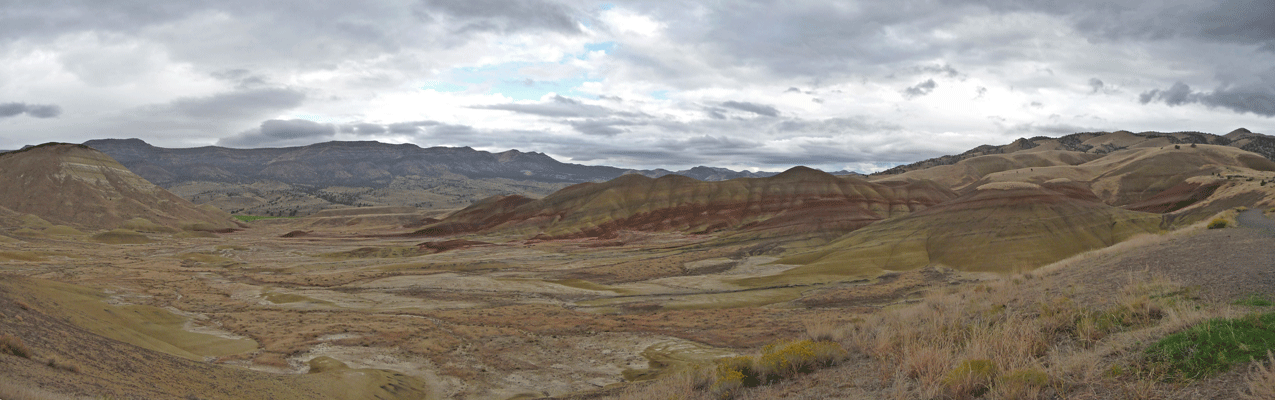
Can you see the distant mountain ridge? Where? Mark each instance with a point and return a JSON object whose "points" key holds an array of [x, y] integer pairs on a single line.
{"points": [[297, 181], [364, 162]]}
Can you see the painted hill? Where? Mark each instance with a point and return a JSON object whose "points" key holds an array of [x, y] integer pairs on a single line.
{"points": [[798, 201], [998, 227], [70, 184]]}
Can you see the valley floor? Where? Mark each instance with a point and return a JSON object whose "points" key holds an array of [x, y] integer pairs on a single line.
{"points": [[254, 314]]}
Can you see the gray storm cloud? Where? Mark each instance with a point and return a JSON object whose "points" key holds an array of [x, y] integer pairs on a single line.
{"points": [[1257, 100], [920, 89], [33, 110], [759, 109]]}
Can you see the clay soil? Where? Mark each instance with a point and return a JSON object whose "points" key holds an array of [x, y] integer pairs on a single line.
{"points": [[490, 318]]}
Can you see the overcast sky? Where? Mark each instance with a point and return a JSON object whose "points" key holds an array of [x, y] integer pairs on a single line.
{"points": [[759, 85]]}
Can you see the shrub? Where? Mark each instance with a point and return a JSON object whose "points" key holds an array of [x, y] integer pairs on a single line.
{"points": [[1022, 384], [1213, 346], [970, 379], [1217, 224], [13, 345]]}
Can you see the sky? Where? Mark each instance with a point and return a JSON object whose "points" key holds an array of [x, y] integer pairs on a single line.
{"points": [[758, 85]]}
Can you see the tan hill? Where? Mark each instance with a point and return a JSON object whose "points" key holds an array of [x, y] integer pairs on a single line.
{"points": [[1002, 227], [70, 184], [1100, 143], [798, 201], [1180, 179]]}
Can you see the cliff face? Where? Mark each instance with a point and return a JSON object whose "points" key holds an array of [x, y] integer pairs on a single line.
{"points": [[798, 201], [76, 185]]}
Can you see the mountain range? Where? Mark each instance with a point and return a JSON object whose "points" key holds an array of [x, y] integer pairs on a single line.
{"points": [[303, 180]]}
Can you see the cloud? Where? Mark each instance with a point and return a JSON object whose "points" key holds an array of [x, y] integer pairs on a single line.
{"points": [[919, 89], [759, 109], [410, 126], [33, 110], [274, 133], [1096, 84], [232, 105], [364, 128], [1256, 99], [506, 16], [599, 127], [556, 106]]}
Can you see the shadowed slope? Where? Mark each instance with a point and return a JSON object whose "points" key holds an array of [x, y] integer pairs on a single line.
{"points": [[800, 200], [1000, 227], [76, 185]]}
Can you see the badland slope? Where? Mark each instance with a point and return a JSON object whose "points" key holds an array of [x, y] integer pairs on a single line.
{"points": [[798, 201], [70, 184], [1005, 227]]}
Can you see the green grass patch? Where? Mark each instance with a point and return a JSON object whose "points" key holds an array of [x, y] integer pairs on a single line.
{"points": [[250, 218], [1217, 224], [1253, 300], [1213, 346]]}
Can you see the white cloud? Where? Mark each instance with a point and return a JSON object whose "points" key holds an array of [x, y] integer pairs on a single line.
{"points": [[876, 83]]}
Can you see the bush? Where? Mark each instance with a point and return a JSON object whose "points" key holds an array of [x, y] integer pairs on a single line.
{"points": [[1213, 346], [734, 374], [1217, 224], [13, 345], [787, 359], [970, 379]]}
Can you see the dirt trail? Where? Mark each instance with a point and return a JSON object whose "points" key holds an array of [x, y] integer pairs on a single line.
{"points": [[1225, 264], [1255, 219]]}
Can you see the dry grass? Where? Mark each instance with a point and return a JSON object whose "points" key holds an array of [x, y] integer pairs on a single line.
{"points": [[65, 365], [1261, 380], [689, 384], [12, 391], [1002, 339], [1006, 339]]}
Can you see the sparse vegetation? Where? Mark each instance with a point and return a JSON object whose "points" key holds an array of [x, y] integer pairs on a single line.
{"points": [[1253, 300], [1218, 223], [250, 218], [13, 345], [777, 361]]}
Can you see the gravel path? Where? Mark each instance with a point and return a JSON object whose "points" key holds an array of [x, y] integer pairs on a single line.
{"points": [[1225, 264]]}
